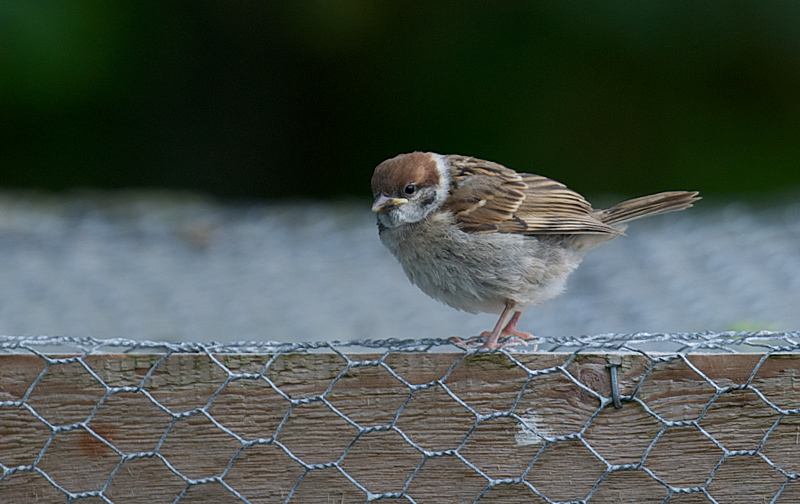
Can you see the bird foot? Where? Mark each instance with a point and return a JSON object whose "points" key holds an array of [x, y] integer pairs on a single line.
{"points": [[507, 338], [472, 343], [521, 338]]}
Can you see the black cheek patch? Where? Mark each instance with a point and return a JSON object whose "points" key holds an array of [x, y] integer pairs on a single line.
{"points": [[428, 199]]}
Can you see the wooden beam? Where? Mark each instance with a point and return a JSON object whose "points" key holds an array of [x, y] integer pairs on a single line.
{"points": [[436, 427]]}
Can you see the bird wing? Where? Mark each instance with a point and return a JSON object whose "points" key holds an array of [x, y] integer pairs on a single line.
{"points": [[487, 197]]}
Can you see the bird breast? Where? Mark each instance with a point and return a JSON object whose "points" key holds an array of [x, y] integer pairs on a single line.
{"points": [[480, 272]]}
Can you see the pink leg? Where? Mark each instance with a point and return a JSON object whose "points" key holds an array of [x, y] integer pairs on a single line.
{"points": [[499, 331], [511, 328], [498, 328]]}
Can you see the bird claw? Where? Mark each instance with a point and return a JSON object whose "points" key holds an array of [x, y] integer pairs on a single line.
{"points": [[467, 344], [481, 341]]}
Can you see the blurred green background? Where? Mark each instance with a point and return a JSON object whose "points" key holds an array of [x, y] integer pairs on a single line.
{"points": [[303, 98]]}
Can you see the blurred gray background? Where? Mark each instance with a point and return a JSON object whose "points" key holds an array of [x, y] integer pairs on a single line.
{"points": [[200, 171], [174, 267]]}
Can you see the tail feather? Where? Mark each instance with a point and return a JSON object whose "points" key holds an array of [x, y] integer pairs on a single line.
{"points": [[648, 205]]}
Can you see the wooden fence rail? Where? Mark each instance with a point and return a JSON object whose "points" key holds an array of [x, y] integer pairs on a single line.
{"points": [[404, 427]]}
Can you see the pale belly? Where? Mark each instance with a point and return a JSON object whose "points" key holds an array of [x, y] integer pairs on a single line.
{"points": [[481, 272]]}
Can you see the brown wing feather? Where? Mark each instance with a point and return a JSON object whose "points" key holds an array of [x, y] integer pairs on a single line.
{"points": [[488, 198], [483, 193], [646, 206]]}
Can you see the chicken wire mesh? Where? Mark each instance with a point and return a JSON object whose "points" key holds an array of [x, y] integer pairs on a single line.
{"points": [[679, 418]]}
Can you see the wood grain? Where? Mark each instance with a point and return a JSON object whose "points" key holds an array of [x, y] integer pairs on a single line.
{"points": [[435, 426]]}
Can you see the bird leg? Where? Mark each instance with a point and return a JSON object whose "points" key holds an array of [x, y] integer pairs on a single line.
{"points": [[491, 342], [510, 329]]}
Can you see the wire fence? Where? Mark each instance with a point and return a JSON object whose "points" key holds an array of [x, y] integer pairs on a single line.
{"points": [[679, 418]]}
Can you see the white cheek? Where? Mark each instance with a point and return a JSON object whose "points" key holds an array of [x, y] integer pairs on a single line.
{"points": [[410, 212]]}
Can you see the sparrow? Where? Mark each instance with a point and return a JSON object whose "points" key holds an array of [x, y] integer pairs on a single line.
{"points": [[481, 237]]}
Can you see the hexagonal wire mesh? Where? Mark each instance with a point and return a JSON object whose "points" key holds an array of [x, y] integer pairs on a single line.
{"points": [[710, 417]]}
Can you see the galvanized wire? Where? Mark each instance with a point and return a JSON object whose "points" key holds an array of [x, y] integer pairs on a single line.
{"points": [[57, 351]]}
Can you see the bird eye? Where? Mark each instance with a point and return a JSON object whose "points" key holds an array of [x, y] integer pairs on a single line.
{"points": [[410, 189]]}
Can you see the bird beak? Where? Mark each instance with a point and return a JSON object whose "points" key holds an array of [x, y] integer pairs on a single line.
{"points": [[384, 203]]}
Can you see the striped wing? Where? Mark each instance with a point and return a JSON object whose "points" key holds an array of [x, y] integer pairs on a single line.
{"points": [[487, 197]]}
